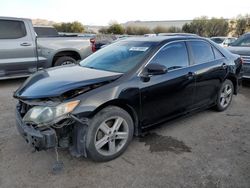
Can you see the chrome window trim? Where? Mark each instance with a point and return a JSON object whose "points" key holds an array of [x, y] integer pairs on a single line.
{"points": [[168, 43]]}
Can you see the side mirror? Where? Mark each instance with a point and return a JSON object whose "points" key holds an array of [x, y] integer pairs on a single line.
{"points": [[155, 69]]}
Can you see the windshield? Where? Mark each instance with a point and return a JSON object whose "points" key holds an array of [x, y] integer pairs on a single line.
{"points": [[119, 57], [244, 40]]}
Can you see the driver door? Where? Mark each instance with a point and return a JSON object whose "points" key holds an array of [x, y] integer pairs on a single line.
{"points": [[172, 93]]}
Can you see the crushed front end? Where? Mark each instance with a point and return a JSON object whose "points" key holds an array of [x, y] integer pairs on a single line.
{"points": [[65, 131]]}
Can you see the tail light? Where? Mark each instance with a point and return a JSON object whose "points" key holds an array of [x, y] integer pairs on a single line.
{"points": [[92, 41], [241, 61]]}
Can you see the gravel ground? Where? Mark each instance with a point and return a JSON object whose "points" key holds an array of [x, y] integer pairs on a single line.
{"points": [[208, 149]]}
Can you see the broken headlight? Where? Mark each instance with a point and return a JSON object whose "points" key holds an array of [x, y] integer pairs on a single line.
{"points": [[46, 114]]}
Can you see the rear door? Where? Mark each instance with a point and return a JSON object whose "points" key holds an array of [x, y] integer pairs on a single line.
{"points": [[210, 70], [17, 49]]}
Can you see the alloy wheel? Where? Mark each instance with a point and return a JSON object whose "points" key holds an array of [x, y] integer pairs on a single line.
{"points": [[226, 95], [111, 136]]}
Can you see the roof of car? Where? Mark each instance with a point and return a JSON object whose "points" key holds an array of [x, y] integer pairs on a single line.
{"points": [[161, 38], [13, 18]]}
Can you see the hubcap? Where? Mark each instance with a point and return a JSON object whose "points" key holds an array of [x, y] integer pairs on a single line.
{"points": [[226, 95], [111, 136]]}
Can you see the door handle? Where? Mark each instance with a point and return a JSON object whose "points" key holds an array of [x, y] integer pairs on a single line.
{"points": [[224, 65], [190, 75], [25, 44]]}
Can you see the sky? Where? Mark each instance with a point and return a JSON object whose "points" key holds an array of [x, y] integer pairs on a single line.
{"points": [[102, 12]]}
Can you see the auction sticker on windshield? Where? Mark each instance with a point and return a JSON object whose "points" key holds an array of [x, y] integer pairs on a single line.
{"points": [[140, 49]]}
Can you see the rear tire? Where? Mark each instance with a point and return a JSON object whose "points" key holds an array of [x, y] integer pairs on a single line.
{"points": [[109, 134], [64, 60], [225, 95]]}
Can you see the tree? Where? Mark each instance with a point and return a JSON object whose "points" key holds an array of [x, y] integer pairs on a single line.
{"points": [[136, 30], [241, 26], [187, 28], [142, 30], [174, 29], [77, 27], [130, 30], [116, 28], [103, 30], [160, 29], [197, 26], [207, 27], [217, 27], [70, 27]]}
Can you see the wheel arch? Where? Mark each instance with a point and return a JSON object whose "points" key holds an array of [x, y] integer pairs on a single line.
{"points": [[234, 80], [70, 53], [125, 106]]}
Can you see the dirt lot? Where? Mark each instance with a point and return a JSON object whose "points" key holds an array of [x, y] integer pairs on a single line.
{"points": [[208, 149]]}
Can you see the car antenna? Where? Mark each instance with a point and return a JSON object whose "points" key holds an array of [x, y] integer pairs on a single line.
{"points": [[58, 165]]}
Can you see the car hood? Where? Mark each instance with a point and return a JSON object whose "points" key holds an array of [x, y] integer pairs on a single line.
{"points": [[244, 51], [56, 81]]}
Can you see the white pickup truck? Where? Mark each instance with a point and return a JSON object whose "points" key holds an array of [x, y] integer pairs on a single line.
{"points": [[23, 51]]}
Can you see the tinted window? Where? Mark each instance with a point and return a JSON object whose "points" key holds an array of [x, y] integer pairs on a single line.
{"points": [[202, 51], [120, 57], [172, 56], [11, 29], [217, 54]]}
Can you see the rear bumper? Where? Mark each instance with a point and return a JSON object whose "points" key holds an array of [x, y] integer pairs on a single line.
{"points": [[246, 70], [40, 140]]}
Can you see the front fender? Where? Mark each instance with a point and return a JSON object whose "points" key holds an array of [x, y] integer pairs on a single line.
{"points": [[96, 100]]}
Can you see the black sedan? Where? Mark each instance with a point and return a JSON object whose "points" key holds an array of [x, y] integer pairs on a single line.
{"points": [[96, 107]]}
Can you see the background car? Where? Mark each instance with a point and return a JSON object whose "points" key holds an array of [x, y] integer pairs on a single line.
{"points": [[98, 41], [25, 49], [223, 41], [242, 47]]}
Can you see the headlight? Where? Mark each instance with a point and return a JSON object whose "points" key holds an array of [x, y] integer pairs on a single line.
{"points": [[45, 114]]}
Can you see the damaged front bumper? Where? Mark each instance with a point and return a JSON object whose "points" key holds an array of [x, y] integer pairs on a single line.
{"points": [[39, 139], [46, 138]]}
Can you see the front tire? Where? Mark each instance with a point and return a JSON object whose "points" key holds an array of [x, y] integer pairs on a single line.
{"points": [[109, 134], [64, 60], [225, 95]]}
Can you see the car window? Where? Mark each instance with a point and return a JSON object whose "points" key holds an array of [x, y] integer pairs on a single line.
{"points": [[217, 54], [217, 40], [172, 56], [202, 52], [46, 32], [11, 29]]}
